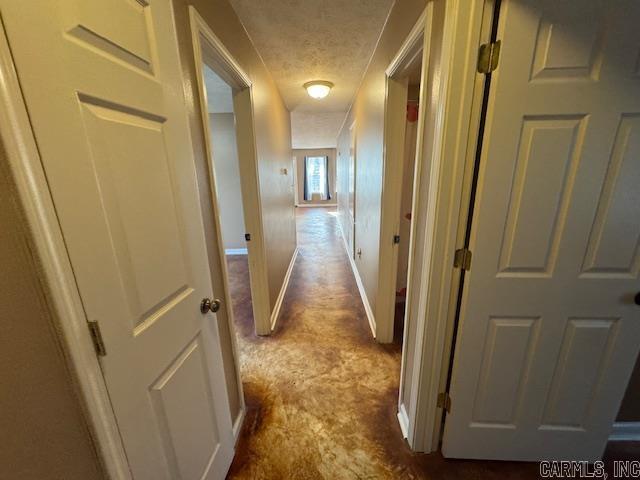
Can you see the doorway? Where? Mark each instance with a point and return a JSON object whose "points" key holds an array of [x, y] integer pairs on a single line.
{"points": [[402, 122], [233, 202], [230, 202]]}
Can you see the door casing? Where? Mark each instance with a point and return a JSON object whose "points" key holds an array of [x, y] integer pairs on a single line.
{"points": [[449, 137]]}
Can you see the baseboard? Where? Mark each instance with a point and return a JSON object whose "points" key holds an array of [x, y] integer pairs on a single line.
{"points": [[235, 251], [363, 293], [625, 431], [307, 205], [237, 425], [276, 309], [403, 420]]}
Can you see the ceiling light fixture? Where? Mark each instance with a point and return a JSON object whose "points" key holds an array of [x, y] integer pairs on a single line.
{"points": [[318, 88]]}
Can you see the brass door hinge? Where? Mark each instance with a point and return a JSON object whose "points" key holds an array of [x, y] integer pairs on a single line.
{"points": [[96, 336], [444, 401], [488, 57], [462, 259]]}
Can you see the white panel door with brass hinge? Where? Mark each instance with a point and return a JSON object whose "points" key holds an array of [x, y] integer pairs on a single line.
{"points": [[548, 329], [102, 85]]}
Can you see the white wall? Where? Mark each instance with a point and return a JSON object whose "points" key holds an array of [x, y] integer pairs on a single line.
{"points": [[225, 161]]}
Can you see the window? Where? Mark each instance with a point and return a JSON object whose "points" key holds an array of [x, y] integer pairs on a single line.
{"points": [[316, 177]]}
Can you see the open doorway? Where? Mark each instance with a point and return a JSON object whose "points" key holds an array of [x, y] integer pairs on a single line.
{"points": [[406, 196], [230, 201], [402, 108], [225, 166]]}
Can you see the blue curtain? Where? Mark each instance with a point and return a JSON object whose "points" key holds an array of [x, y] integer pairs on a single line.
{"points": [[306, 195], [327, 188]]}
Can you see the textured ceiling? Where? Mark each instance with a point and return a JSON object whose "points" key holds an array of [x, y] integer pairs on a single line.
{"points": [[302, 40]]}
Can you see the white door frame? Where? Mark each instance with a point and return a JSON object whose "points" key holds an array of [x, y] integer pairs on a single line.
{"points": [[208, 48], [415, 46], [24, 161], [447, 145]]}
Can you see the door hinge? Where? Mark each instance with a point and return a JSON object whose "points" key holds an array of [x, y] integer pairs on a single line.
{"points": [[444, 401], [247, 237], [396, 239], [96, 336], [488, 57], [462, 259]]}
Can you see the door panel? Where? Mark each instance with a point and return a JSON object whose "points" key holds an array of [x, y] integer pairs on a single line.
{"points": [[548, 332], [110, 121], [546, 161], [614, 243], [184, 410]]}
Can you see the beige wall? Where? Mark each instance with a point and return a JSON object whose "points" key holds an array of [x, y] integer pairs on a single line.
{"points": [[225, 160], [299, 155], [272, 126], [368, 113], [44, 433]]}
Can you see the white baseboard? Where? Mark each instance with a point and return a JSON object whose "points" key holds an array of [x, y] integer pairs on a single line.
{"points": [[237, 424], [363, 293], [625, 431], [276, 309], [403, 420], [305, 205], [235, 251]]}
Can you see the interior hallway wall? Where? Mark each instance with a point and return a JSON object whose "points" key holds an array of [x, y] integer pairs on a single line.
{"points": [[44, 432], [227, 168], [299, 155], [368, 113], [272, 127]]}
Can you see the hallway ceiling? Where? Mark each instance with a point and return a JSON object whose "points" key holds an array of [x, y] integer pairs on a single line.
{"points": [[303, 40]]}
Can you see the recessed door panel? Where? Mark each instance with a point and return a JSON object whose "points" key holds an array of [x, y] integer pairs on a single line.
{"points": [[547, 160], [583, 360], [614, 243], [126, 37], [569, 42], [184, 409], [506, 360], [131, 165]]}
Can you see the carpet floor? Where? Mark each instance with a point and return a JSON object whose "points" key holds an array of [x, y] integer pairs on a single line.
{"points": [[321, 394]]}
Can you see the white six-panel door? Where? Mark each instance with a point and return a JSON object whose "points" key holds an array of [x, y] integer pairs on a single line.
{"points": [[548, 330], [103, 88]]}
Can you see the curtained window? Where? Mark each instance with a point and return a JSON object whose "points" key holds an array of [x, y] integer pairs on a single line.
{"points": [[316, 178]]}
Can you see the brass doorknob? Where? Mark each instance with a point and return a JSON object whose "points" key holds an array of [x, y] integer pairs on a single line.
{"points": [[208, 305]]}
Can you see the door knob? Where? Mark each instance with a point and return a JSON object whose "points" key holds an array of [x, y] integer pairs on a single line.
{"points": [[637, 298], [208, 305]]}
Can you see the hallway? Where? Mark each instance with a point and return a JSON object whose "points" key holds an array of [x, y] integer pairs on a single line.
{"points": [[317, 389], [321, 393]]}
